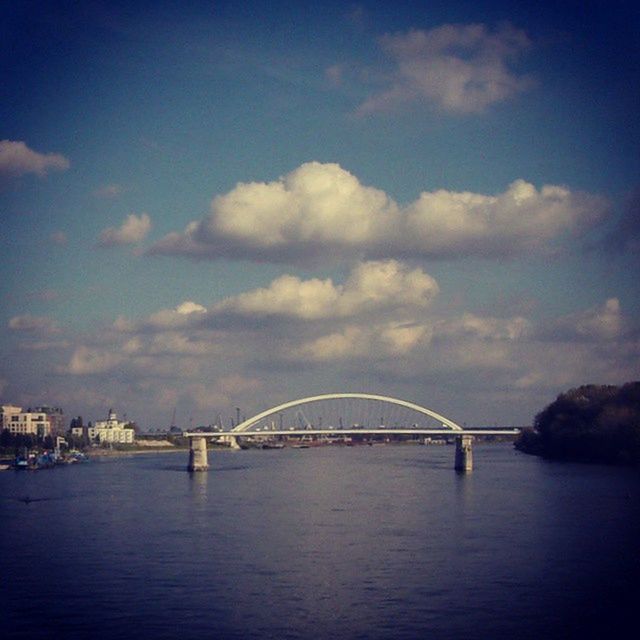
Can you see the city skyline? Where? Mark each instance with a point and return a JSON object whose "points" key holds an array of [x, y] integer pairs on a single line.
{"points": [[223, 205]]}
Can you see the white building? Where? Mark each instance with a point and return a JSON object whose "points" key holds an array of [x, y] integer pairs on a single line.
{"points": [[111, 430], [17, 421]]}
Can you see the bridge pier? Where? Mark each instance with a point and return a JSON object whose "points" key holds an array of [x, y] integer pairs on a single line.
{"points": [[464, 454], [198, 454], [230, 441]]}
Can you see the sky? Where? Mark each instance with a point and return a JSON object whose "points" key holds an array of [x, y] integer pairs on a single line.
{"points": [[211, 205]]}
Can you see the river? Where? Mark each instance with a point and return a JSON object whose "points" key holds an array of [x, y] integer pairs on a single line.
{"points": [[382, 542]]}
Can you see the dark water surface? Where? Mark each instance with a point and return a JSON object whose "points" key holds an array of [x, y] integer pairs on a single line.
{"points": [[359, 542]]}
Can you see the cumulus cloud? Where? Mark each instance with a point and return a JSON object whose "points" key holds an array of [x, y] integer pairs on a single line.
{"points": [[457, 68], [189, 307], [315, 209], [522, 218], [165, 354], [602, 322], [88, 361], [33, 324], [176, 343], [375, 287], [182, 316], [483, 327], [371, 286], [392, 339], [17, 159], [133, 229], [384, 333], [323, 212]]}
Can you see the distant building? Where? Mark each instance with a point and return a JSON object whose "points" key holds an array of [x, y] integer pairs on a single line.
{"points": [[29, 422], [55, 416], [6, 411], [109, 430]]}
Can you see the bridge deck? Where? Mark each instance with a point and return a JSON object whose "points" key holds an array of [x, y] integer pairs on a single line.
{"points": [[352, 432]]}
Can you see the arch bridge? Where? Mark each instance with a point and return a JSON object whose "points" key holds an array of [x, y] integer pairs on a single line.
{"points": [[263, 425]]}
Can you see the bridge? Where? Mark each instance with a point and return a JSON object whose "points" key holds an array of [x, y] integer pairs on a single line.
{"points": [[259, 426]]}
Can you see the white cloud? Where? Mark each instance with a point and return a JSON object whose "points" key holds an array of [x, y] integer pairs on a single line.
{"points": [[378, 286], [89, 361], [370, 338], [382, 284], [189, 307], [603, 322], [522, 218], [392, 339], [176, 343], [458, 68], [371, 286], [312, 210], [483, 328], [184, 315], [316, 202], [17, 159], [322, 212], [166, 354], [133, 229], [286, 295], [33, 324]]}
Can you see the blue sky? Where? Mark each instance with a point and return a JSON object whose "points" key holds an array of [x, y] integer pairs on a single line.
{"points": [[236, 204]]}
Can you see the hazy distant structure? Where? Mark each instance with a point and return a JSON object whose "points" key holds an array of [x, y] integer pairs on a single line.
{"points": [[55, 417]]}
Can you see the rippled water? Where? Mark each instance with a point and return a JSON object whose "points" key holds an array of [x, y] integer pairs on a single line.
{"points": [[361, 542]]}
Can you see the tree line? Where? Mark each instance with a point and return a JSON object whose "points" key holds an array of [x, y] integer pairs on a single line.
{"points": [[591, 423]]}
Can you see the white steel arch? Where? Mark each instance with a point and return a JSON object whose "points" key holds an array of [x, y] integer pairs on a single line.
{"points": [[247, 424]]}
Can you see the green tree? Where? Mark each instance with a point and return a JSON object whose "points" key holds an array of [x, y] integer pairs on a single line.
{"points": [[592, 423]]}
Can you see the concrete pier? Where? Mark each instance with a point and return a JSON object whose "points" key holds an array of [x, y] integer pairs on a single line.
{"points": [[230, 441], [198, 454], [464, 454]]}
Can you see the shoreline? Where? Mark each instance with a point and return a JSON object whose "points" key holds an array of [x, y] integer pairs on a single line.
{"points": [[114, 453]]}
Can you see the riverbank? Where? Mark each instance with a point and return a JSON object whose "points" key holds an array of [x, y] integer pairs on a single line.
{"points": [[113, 453]]}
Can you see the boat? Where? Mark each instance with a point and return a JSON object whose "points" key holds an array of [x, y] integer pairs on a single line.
{"points": [[272, 445]]}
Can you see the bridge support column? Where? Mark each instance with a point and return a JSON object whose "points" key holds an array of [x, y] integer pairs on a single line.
{"points": [[198, 454], [231, 442], [464, 454]]}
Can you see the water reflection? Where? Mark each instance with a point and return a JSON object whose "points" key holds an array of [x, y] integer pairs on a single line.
{"points": [[198, 485]]}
